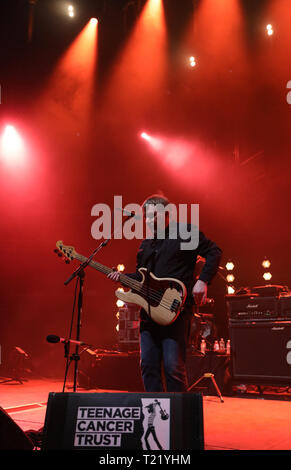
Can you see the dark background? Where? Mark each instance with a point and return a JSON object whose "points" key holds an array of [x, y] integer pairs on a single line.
{"points": [[233, 107]]}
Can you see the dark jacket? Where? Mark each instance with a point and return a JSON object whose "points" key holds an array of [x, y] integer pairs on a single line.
{"points": [[164, 258]]}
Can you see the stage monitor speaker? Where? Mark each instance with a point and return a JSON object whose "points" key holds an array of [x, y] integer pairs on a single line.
{"points": [[11, 435], [261, 351], [124, 421]]}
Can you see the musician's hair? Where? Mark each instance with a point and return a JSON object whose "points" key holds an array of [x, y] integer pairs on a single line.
{"points": [[155, 199]]}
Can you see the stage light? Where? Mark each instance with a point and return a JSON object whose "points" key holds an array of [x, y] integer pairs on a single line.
{"points": [[269, 29], [229, 265], [192, 61], [12, 147], [120, 267], [267, 276], [11, 141], [266, 263], [230, 278], [93, 21], [145, 136], [230, 290], [117, 315], [117, 327], [120, 289], [71, 11], [119, 303]]}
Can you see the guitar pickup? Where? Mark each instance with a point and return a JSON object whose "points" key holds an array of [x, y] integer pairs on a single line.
{"points": [[175, 306]]}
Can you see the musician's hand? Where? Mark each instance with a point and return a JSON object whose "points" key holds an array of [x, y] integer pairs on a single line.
{"points": [[114, 275], [199, 292]]}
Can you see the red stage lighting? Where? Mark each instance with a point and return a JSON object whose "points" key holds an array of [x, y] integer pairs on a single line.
{"points": [[68, 98], [174, 153]]}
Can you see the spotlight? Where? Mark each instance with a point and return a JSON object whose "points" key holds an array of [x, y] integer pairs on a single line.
{"points": [[267, 276], [266, 263], [71, 11], [192, 61], [119, 303], [230, 290], [230, 278], [93, 21], [11, 141], [229, 266], [269, 29], [145, 136], [120, 267], [11, 146]]}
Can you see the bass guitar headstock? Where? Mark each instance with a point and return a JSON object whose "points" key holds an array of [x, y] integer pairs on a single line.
{"points": [[68, 252]]}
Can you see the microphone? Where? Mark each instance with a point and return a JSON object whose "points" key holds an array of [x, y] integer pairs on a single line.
{"points": [[57, 339], [129, 214]]}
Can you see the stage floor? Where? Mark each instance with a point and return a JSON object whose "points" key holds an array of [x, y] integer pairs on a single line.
{"points": [[240, 423]]}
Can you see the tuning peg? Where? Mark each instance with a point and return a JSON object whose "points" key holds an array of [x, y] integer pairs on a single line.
{"points": [[67, 261], [60, 255], [56, 250]]}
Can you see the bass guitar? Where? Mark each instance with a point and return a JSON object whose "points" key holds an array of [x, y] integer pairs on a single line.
{"points": [[161, 298]]}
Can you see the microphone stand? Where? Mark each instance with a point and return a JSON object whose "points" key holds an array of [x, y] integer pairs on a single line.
{"points": [[80, 273]]}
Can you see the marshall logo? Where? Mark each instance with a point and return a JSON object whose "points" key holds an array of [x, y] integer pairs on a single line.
{"points": [[252, 305]]}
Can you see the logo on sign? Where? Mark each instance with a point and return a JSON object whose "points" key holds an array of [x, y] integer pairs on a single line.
{"points": [[148, 425]]}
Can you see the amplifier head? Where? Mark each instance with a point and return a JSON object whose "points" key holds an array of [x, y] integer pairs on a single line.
{"points": [[249, 307]]}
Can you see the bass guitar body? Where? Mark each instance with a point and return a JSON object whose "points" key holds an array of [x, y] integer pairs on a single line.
{"points": [[161, 298]]}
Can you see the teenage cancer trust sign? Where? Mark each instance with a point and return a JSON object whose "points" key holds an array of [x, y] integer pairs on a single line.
{"points": [[146, 426]]}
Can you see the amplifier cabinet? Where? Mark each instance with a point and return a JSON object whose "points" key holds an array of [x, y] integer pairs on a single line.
{"points": [[261, 351], [285, 306]]}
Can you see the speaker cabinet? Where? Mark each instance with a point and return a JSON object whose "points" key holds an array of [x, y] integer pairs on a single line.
{"points": [[11, 435], [124, 421], [261, 351]]}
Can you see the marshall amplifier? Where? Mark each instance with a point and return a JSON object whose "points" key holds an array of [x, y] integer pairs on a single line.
{"points": [[124, 421], [261, 351], [252, 307]]}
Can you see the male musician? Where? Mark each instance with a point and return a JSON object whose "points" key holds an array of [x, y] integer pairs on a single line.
{"points": [[163, 257]]}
